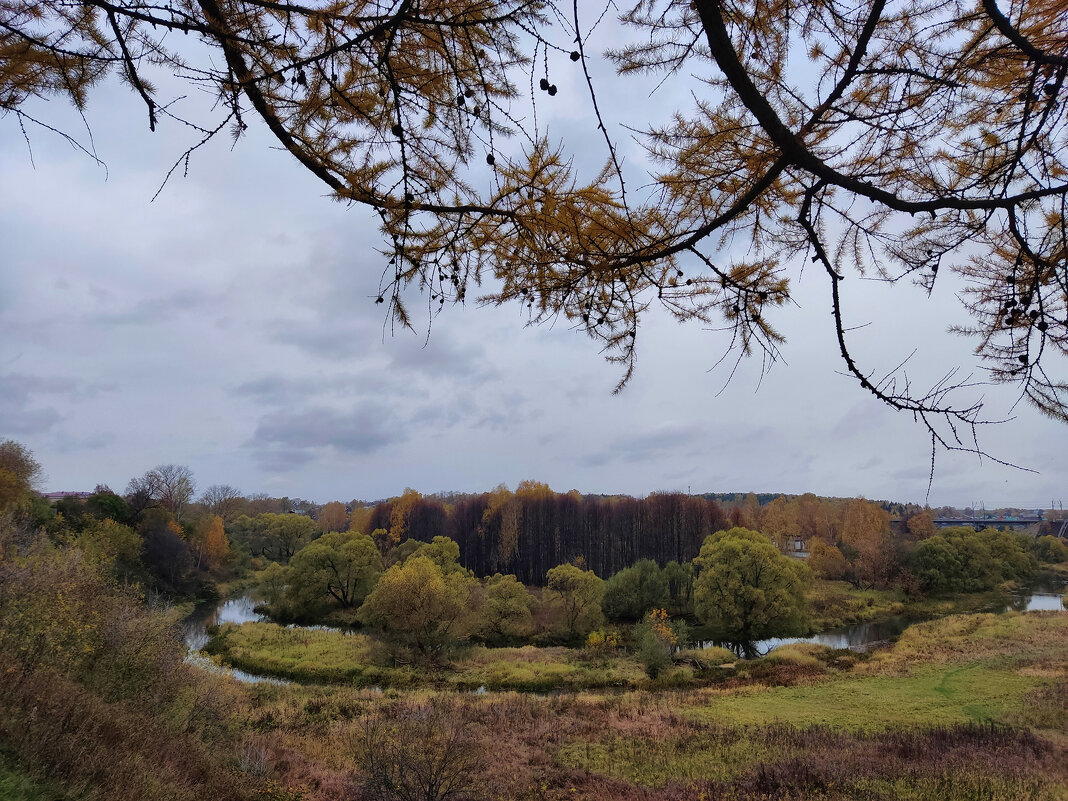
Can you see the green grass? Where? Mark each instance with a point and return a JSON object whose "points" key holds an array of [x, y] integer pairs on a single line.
{"points": [[1009, 639], [304, 655], [543, 669], [323, 657], [959, 669], [908, 724], [931, 697], [18, 786]]}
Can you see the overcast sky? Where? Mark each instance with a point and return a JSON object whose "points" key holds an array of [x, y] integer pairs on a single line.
{"points": [[230, 325]]}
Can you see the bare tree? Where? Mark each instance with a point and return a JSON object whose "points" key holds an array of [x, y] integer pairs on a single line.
{"points": [[168, 485], [222, 500]]}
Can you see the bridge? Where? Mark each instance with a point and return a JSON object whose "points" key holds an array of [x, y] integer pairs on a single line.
{"points": [[979, 523]]}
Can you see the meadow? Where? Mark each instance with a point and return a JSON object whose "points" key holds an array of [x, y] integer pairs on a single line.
{"points": [[969, 707]]}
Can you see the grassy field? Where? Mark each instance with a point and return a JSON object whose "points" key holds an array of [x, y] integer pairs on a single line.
{"points": [[970, 708], [960, 685], [931, 696], [325, 657]]}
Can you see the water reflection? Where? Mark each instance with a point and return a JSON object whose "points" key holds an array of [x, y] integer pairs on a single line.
{"points": [[195, 635], [859, 637], [235, 610], [204, 662], [1038, 602], [1044, 596]]}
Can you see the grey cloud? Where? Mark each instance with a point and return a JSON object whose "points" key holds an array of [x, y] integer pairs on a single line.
{"points": [[70, 443], [505, 411], [326, 340], [20, 386], [916, 475], [271, 389], [286, 390], [443, 356], [367, 428], [283, 460], [21, 410], [645, 446], [874, 461], [155, 309], [27, 421]]}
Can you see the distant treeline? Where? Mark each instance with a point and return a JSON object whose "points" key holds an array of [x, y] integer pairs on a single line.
{"points": [[533, 529]]}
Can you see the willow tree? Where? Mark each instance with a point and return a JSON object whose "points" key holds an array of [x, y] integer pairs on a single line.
{"points": [[891, 140]]}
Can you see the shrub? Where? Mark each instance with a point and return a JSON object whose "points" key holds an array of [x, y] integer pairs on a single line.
{"points": [[706, 657], [808, 654], [602, 642], [657, 637], [416, 754]]}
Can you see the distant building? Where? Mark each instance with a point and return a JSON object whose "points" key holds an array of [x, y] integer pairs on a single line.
{"points": [[52, 497]]}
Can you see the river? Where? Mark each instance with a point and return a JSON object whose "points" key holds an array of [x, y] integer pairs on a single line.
{"points": [[1042, 596], [859, 637], [195, 635]]}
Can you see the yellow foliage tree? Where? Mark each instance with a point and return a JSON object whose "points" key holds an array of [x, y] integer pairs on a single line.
{"points": [[209, 542], [398, 516], [360, 519]]}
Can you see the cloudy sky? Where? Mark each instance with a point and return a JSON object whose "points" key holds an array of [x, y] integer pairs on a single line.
{"points": [[230, 325]]}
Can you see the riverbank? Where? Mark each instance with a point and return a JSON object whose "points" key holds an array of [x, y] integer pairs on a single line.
{"points": [[255, 648], [958, 709]]}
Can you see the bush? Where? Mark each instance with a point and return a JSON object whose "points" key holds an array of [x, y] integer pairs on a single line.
{"points": [[707, 657], [416, 754], [602, 643], [657, 638], [808, 654]]}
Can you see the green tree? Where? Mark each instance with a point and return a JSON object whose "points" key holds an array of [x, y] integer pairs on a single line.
{"points": [[506, 608], [657, 637], [114, 542], [576, 594], [746, 590], [1051, 550], [18, 460], [960, 559], [280, 536], [272, 585], [343, 566], [633, 591], [679, 578], [420, 605], [105, 504], [443, 552]]}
